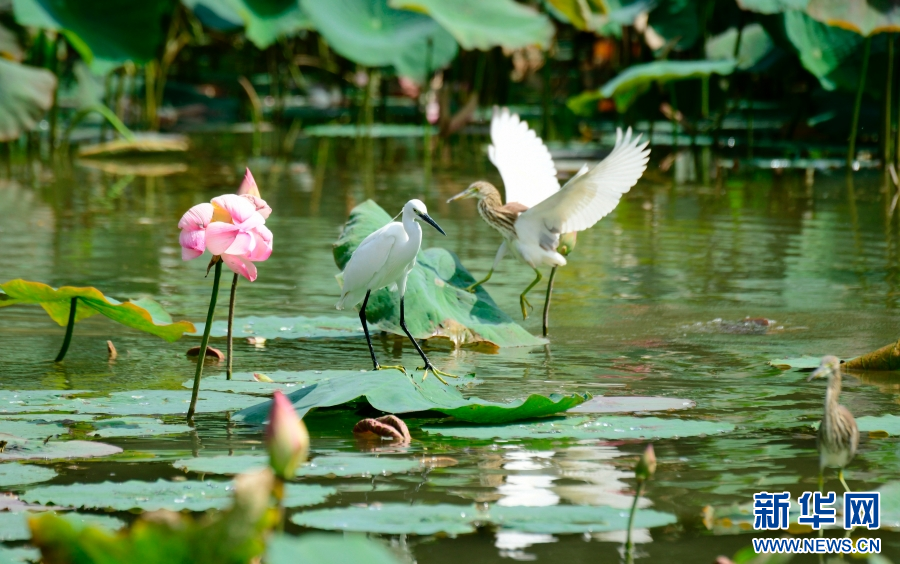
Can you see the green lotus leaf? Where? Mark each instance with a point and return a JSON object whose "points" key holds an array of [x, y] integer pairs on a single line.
{"points": [[484, 24], [373, 34], [822, 49], [135, 427], [142, 314], [18, 401], [26, 93], [264, 20], [14, 525], [299, 327], [38, 429], [162, 494], [137, 402], [587, 428], [865, 17], [755, 44], [109, 32], [890, 424], [23, 449], [625, 88], [41, 426], [19, 555], [677, 21], [327, 549], [324, 465], [436, 303], [631, 404], [15, 474], [246, 383], [800, 363], [772, 6], [392, 391], [890, 505], [395, 518], [376, 130]]}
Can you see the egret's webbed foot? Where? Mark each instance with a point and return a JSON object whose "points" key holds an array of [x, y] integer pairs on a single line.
{"points": [[437, 373], [391, 367]]}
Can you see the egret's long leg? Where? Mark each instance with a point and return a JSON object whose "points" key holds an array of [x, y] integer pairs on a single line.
{"points": [[547, 302], [362, 318], [428, 366], [523, 301], [501, 252]]}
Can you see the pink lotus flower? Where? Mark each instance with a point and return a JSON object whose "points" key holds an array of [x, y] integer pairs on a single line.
{"points": [[286, 437], [232, 227]]}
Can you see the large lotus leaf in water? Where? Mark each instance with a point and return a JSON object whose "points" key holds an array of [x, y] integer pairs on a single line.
{"points": [[255, 384], [436, 304], [390, 518], [392, 391], [143, 314], [299, 327], [327, 549], [677, 21], [26, 93], [889, 424], [484, 24], [865, 17], [161, 494], [371, 33], [15, 474], [772, 6], [325, 465], [22, 449], [110, 32], [18, 555], [14, 525], [264, 20], [587, 428], [755, 45], [137, 402], [637, 79], [631, 404], [822, 49], [378, 130]]}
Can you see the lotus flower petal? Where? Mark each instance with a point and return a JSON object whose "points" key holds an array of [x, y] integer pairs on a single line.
{"points": [[248, 186], [193, 243], [240, 265], [261, 206], [263, 249], [196, 218], [286, 437], [220, 236], [243, 244], [239, 208]]}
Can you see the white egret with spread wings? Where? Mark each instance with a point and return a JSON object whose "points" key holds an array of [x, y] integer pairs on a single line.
{"points": [[537, 211]]}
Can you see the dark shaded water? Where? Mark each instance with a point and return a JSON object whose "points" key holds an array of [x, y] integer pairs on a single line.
{"points": [[651, 303]]}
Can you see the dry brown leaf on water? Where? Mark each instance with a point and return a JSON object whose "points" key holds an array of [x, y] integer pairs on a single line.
{"points": [[388, 426]]}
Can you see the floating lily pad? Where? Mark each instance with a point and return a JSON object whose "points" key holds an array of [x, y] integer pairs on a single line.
{"points": [[14, 474], [162, 494], [14, 525], [27, 93], [143, 314], [43, 425], [16, 401], [890, 505], [625, 88], [485, 24], [626, 404], [19, 555], [328, 549], [399, 518], [326, 465], [299, 327], [435, 292], [246, 383], [373, 34], [800, 363], [890, 424], [392, 391], [155, 402], [33, 430], [376, 130], [587, 428], [23, 449], [135, 427]]}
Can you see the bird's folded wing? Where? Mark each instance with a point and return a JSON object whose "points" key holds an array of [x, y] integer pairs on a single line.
{"points": [[370, 257], [585, 199], [525, 164]]}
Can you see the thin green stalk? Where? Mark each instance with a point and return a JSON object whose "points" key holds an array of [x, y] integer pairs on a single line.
{"points": [[674, 104], [70, 326], [629, 546], [256, 113], [851, 150], [426, 140], [888, 100], [234, 283], [204, 342]]}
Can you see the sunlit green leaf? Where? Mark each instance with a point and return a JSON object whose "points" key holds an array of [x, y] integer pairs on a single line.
{"points": [[328, 549], [822, 48], [376, 130], [772, 6], [23, 449], [587, 428], [371, 33], [14, 525], [677, 21], [865, 17], [436, 303], [755, 44], [323, 465], [890, 424], [484, 24], [161, 494], [143, 314], [247, 383], [18, 555], [299, 327], [635, 80], [15, 474], [264, 20], [136, 402], [392, 391], [26, 93]]}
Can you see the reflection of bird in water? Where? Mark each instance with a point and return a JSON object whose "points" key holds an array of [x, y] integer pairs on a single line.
{"points": [[838, 435], [537, 211], [385, 258]]}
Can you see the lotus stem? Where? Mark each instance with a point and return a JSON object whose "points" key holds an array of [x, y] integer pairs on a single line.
{"points": [[888, 99], [256, 114], [278, 494], [547, 302], [629, 545], [230, 348], [70, 326], [204, 342], [851, 150]]}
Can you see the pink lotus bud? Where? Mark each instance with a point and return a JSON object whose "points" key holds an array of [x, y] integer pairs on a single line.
{"points": [[248, 186], [286, 437], [646, 466]]}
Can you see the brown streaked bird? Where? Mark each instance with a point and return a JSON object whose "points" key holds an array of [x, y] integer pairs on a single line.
{"points": [[838, 436], [537, 211]]}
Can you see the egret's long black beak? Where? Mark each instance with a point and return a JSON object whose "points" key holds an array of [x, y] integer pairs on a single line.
{"points": [[427, 218]]}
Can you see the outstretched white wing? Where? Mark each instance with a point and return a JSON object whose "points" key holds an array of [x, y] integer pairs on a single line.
{"points": [[589, 196], [525, 164]]}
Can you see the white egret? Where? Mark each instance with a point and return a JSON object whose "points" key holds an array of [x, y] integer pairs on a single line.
{"points": [[385, 258], [537, 211]]}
